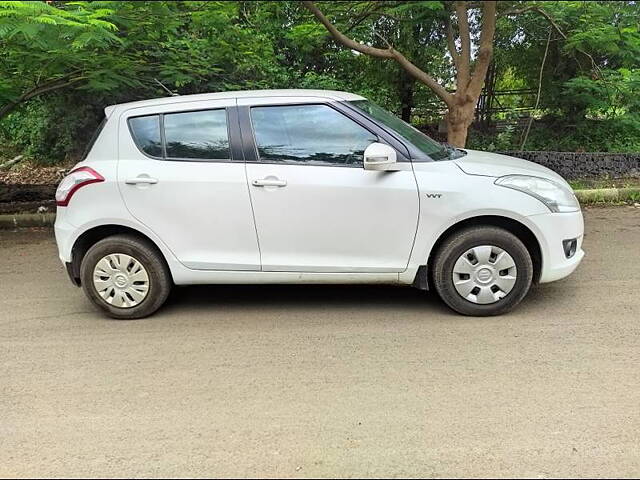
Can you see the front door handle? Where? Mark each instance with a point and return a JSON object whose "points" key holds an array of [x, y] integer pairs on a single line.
{"points": [[269, 182], [141, 179]]}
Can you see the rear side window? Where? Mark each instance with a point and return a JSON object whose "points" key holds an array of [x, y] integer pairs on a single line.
{"points": [[146, 133], [200, 135], [309, 134]]}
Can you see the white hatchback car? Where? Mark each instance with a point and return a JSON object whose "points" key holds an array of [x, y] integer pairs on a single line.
{"points": [[304, 186]]}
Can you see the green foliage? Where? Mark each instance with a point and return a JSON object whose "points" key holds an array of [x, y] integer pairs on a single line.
{"points": [[615, 93], [44, 131], [43, 44], [63, 62], [89, 55], [590, 81], [618, 134]]}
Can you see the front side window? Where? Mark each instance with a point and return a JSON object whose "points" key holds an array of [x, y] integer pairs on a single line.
{"points": [[435, 150], [198, 135], [146, 133], [310, 134]]}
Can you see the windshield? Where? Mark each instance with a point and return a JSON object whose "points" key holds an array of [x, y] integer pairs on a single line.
{"points": [[435, 150]]}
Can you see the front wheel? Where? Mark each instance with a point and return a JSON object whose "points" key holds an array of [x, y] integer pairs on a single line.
{"points": [[125, 276], [482, 271]]}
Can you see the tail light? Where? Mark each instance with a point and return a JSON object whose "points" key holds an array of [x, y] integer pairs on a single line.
{"points": [[73, 181]]}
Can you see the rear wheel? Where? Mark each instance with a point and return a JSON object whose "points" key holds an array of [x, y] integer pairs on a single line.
{"points": [[482, 271], [125, 276]]}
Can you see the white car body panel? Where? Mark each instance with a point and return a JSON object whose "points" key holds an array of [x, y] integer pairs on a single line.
{"points": [[187, 102], [491, 164], [549, 228], [455, 188], [331, 218], [334, 219], [211, 225], [329, 225]]}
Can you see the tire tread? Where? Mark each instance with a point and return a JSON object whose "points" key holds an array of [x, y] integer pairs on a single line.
{"points": [[461, 241], [148, 255]]}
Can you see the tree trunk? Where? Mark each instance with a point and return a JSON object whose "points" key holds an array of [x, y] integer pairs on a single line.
{"points": [[461, 105], [458, 119], [406, 84]]}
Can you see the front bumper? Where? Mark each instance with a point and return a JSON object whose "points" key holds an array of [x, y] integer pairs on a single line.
{"points": [[552, 229]]}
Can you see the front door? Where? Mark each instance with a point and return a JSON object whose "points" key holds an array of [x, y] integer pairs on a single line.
{"points": [[177, 177], [316, 208]]}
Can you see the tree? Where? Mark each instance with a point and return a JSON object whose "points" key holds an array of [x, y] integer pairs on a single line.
{"points": [[589, 80], [194, 47], [46, 48], [63, 62], [469, 73]]}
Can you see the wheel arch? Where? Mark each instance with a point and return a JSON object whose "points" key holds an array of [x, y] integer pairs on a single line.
{"points": [[93, 235], [524, 233]]}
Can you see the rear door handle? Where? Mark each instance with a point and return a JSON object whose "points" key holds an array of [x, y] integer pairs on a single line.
{"points": [[269, 182], [140, 180]]}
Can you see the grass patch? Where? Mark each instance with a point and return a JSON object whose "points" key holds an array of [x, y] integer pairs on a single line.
{"points": [[613, 196], [589, 184]]}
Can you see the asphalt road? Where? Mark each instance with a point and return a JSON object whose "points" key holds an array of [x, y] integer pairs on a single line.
{"points": [[323, 381]]}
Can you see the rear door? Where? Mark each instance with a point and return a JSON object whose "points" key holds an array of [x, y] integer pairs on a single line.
{"points": [[179, 175], [316, 208]]}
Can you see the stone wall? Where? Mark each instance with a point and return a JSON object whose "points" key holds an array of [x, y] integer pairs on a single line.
{"points": [[574, 166]]}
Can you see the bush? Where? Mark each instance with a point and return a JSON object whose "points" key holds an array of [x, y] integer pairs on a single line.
{"points": [[51, 130], [616, 135]]}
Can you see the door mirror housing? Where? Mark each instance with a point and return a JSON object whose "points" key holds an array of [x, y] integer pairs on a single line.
{"points": [[380, 157]]}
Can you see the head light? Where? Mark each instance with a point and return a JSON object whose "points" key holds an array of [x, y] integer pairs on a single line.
{"points": [[556, 197]]}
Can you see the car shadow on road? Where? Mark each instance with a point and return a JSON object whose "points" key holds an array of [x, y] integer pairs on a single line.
{"points": [[342, 299], [304, 296]]}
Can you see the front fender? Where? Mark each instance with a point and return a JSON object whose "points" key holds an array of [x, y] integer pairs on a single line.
{"points": [[462, 197]]}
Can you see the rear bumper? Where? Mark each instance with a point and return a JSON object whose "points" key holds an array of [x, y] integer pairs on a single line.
{"points": [[552, 230], [64, 232]]}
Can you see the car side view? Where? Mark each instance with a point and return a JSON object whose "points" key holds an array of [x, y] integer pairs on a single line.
{"points": [[304, 186]]}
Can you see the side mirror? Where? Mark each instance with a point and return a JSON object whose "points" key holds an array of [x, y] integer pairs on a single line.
{"points": [[380, 157]]}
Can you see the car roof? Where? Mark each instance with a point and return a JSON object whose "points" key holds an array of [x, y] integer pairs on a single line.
{"points": [[326, 94]]}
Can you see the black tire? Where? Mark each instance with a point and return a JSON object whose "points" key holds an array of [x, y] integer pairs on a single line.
{"points": [[456, 245], [160, 281]]}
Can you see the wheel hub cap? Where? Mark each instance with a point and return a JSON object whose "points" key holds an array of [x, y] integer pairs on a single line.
{"points": [[121, 280], [484, 274]]}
